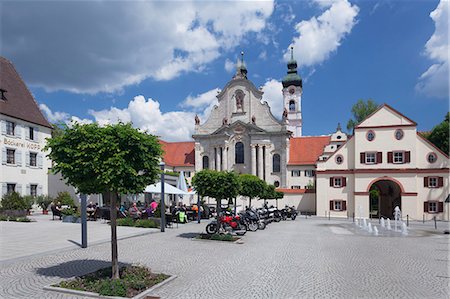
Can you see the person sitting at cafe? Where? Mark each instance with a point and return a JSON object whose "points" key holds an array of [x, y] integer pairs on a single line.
{"points": [[90, 209], [134, 212]]}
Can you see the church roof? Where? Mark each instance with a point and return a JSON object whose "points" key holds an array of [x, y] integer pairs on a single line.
{"points": [[178, 153], [19, 102], [306, 150]]}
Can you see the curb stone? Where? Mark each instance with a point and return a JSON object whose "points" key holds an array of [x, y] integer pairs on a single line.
{"points": [[95, 295]]}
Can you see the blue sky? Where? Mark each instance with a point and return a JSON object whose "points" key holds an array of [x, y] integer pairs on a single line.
{"points": [[158, 64]]}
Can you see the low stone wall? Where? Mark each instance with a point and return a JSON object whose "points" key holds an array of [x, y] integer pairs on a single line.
{"points": [[14, 213]]}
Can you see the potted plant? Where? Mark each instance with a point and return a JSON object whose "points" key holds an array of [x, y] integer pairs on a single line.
{"points": [[29, 200], [44, 201], [68, 215], [13, 204]]}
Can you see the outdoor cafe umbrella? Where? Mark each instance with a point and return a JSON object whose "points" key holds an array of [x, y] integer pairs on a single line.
{"points": [[168, 189]]}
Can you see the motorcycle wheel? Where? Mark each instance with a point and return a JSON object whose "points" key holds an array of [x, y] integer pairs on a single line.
{"points": [[293, 217], [252, 226], [211, 228], [261, 225]]}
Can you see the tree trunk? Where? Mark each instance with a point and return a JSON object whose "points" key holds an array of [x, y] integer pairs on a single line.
{"points": [[114, 257], [249, 202], [218, 210]]}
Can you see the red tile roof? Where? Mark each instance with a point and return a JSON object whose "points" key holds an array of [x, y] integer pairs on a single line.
{"points": [[19, 101], [306, 150], [178, 153]]}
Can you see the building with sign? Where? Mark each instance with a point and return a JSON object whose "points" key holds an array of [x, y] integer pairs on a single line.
{"points": [[24, 129]]}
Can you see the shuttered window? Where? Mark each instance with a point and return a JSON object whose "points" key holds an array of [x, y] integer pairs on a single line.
{"points": [[338, 205], [433, 182], [433, 207]]}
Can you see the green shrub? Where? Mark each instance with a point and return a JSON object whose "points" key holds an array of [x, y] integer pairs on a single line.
{"points": [[68, 212], [113, 288], [227, 238], [29, 201], [23, 219], [64, 199], [13, 201], [44, 201], [216, 237], [146, 223], [125, 222]]}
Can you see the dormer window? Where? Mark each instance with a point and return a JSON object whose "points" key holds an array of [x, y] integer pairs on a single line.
{"points": [[3, 94]]}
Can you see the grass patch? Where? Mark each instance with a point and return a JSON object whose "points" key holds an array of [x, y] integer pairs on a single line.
{"points": [[146, 223], [133, 280], [218, 237], [15, 219]]}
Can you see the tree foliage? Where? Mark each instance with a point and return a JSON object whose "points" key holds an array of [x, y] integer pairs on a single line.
{"points": [[112, 159], [216, 184], [251, 187], [439, 136], [360, 111], [116, 158]]}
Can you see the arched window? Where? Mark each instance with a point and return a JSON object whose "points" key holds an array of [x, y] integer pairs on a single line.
{"points": [[276, 163], [291, 105], [205, 162], [239, 153]]}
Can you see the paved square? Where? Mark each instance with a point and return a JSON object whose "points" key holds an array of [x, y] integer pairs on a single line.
{"points": [[293, 259]]}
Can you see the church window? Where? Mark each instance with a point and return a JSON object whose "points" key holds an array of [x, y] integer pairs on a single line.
{"points": [[292, 105], [239, 153], [339, 159], [276, 184], [276, 163], [205, 162]]}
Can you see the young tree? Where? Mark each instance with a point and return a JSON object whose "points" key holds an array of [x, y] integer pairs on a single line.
{"points": [[360, 111], [251, 187], [114, 159], [439, 135], [216, 184]]}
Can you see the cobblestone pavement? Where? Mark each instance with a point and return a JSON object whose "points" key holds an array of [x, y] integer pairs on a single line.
{"points": [[19, 240], [293, 259]]}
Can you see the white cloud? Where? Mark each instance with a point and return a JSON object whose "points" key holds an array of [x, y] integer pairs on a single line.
{"points": [[262, 55], [147, 115], [435, 81], [274, 96], [54, 117], [320, 36], [61, 117], [203, 103], [230, 66], [120, 43]]}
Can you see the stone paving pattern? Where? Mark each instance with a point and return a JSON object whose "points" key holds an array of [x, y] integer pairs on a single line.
{"points": [[293, 259]]}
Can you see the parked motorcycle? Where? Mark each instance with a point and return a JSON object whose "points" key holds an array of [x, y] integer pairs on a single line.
{"points": [[227, 223], [289, 212], [252, 220]]}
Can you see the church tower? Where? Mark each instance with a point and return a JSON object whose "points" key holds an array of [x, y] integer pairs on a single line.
{"points": [[292, 96]]}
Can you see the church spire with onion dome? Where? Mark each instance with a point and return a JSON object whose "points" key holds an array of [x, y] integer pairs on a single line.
{"points": [[292, 77]]}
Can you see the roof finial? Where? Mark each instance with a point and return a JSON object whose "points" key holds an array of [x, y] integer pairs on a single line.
{"points": [[242, 57], [339, 127], [292, 52]]}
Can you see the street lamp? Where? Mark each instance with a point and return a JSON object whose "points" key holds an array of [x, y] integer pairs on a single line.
{"points": [[163, 208]]}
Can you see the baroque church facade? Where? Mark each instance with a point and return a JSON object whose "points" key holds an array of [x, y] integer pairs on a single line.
{"points": [[324, 175]]}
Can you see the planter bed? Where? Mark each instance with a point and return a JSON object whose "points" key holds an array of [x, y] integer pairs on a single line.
{"points": [[135, 282], [218, 237], [14, 218]]}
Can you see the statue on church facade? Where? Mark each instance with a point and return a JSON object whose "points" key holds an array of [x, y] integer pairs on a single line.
{"points": [[197, 120]]}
